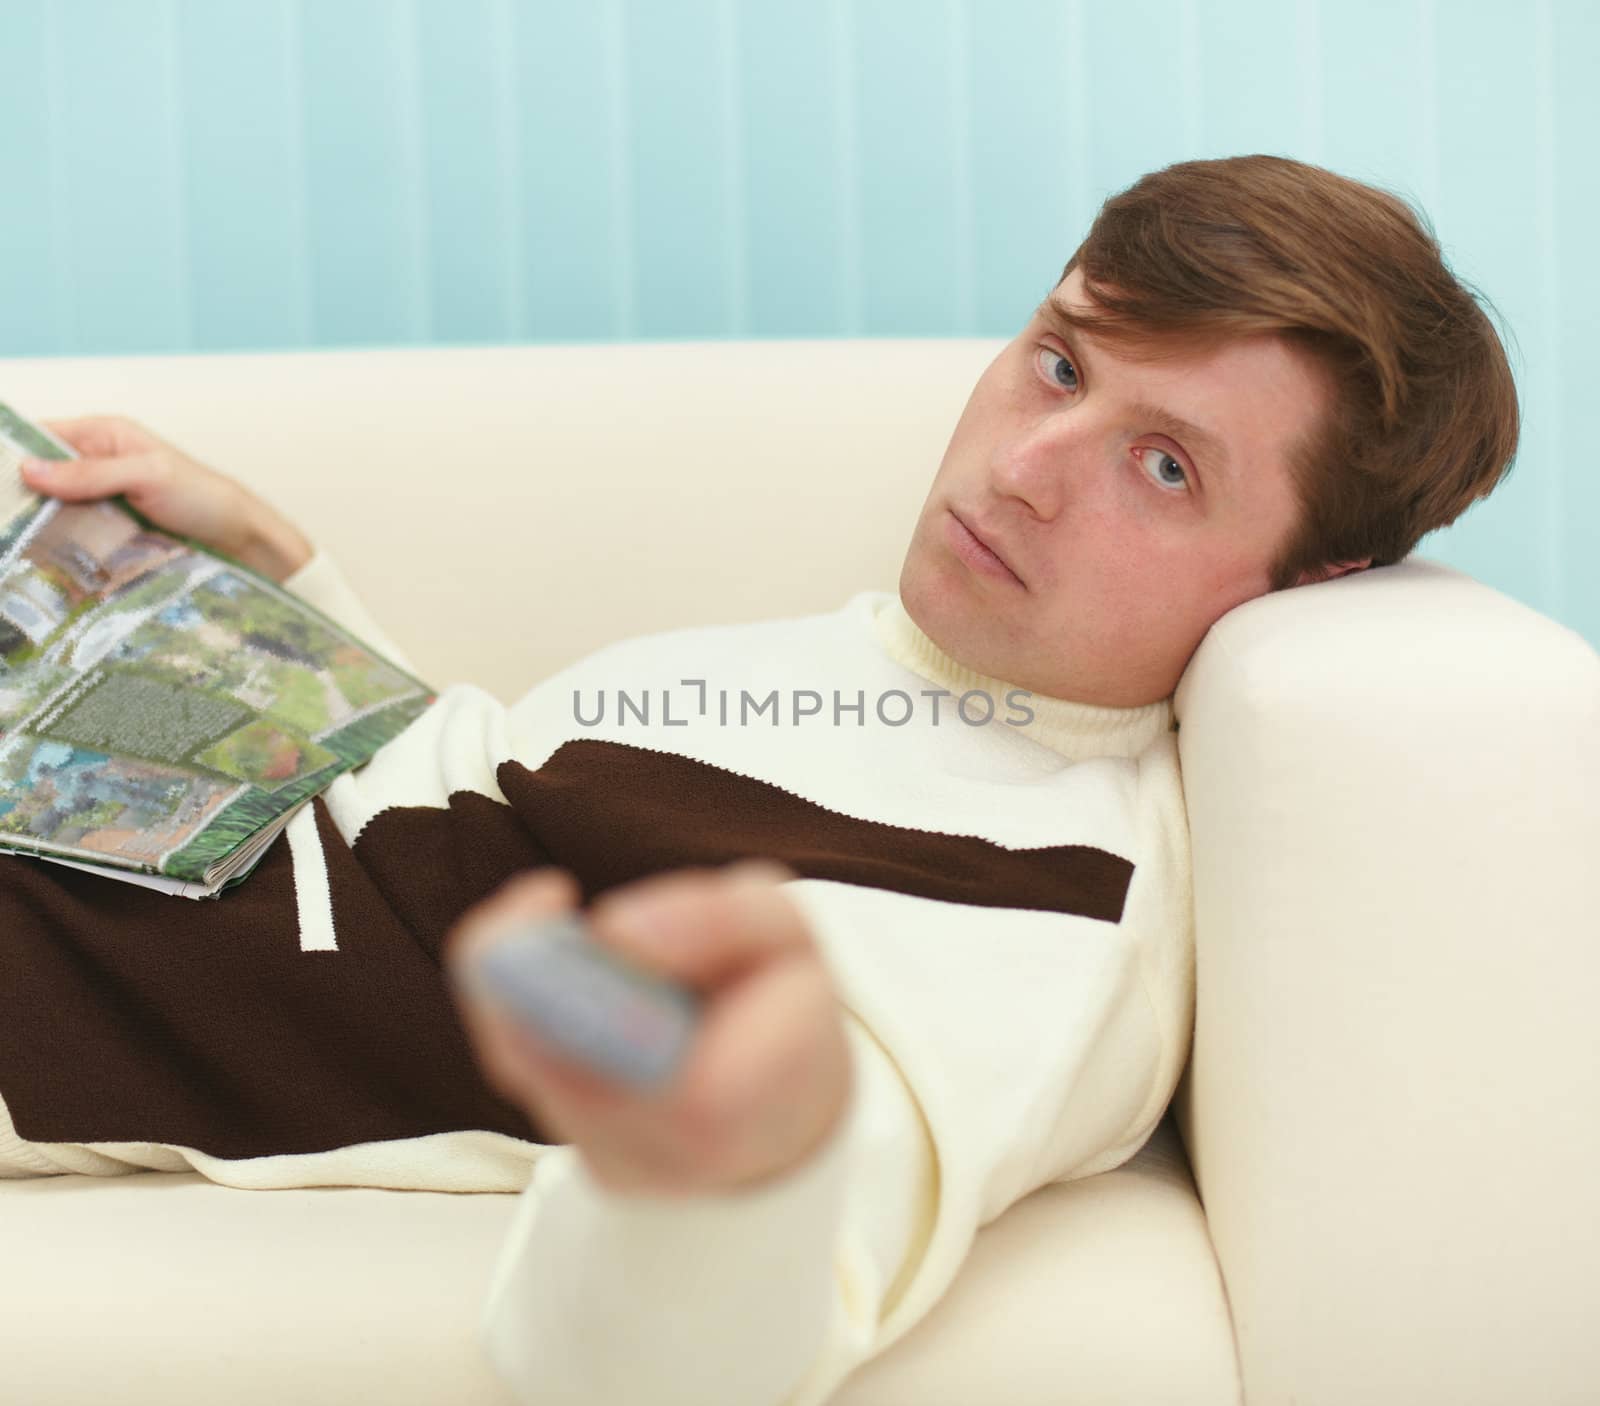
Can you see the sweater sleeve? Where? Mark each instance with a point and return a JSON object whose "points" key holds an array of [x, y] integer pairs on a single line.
{"points": [[765, 1297], [322, 584]]}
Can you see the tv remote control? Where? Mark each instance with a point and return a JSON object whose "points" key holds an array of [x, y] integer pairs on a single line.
{"points": [[589, 1002]]}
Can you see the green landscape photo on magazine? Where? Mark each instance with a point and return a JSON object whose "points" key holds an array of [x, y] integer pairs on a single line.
{"points": [[164, 710]]}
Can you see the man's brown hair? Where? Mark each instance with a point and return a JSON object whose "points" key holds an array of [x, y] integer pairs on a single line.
{"points": [[1423, 420]]}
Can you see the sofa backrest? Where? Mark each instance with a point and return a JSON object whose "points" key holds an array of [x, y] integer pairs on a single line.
{"points": [[506, 510]]}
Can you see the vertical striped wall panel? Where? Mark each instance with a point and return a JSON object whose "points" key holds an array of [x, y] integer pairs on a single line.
{"points": [[248, 274], [256, 174]]}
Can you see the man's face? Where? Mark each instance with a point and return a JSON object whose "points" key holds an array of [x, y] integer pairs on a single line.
{"points": [[1126, 505]]}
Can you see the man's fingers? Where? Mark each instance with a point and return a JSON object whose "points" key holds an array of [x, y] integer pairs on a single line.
{"points": [[502, 1045], [523, 1067], [75, 480], [703, 928], [99, 436]]}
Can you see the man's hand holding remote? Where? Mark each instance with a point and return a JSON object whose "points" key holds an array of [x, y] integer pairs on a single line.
{"points": [[767, 1075]]}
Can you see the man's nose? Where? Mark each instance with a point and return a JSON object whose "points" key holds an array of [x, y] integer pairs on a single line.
{"points": [[1039, 465]]}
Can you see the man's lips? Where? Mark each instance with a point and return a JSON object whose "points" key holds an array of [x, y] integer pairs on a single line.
{"points": [[976, 551]]}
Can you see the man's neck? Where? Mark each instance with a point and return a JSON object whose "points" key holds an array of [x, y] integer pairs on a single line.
{"points": [[1076, 730]]}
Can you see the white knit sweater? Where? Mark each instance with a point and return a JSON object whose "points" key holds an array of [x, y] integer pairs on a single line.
{"points": [[1008, 1029]]}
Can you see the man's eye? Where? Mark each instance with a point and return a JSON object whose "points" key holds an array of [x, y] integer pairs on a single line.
{"points": [[1057, 369], [1159, 464]]}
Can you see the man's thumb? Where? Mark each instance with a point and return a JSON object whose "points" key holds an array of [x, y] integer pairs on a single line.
{"points": [[77, 479]]}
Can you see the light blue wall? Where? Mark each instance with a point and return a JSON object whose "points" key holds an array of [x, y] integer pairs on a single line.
{"points": [[251, 174]]}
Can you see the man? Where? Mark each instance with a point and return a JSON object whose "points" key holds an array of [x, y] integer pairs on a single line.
{"points": [[969, 971]]}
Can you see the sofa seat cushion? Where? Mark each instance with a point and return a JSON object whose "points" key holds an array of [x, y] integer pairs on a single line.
{"points": [[164, 1289]]}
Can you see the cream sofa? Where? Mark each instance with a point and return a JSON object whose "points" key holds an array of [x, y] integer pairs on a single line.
{"points": [[1392, 1115]]}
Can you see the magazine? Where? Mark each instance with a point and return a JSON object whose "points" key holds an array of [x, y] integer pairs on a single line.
{"points": [[164, 710]]}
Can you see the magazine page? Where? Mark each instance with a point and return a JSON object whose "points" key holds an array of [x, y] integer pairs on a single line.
{"points": [[162, 709]]}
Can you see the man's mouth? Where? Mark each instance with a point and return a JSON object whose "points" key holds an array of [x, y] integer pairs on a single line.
{"points": [[976, 552]]}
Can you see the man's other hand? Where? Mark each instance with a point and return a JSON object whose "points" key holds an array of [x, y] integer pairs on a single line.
{"points": [[176, 492], [767, 1075]]}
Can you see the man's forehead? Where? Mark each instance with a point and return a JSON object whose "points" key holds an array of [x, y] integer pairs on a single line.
{"points": [[1072, 297]]}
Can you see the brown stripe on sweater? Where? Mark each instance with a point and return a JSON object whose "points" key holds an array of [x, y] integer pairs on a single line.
{"points": [[612, 812], [130, 1016]]}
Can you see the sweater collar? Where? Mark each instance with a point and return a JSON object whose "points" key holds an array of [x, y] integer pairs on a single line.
{"points": [[1076, 730]]}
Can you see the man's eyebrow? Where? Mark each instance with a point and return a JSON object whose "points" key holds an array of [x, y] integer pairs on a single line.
{"points": [[1208, 445], [1210, 448], [1053, 313]]}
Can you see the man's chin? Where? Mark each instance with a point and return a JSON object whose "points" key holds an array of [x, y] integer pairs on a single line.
{"points": [[946, 613], [930, 597]]}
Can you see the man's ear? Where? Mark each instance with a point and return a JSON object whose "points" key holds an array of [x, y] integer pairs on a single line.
{"points": [[1331, 570]]}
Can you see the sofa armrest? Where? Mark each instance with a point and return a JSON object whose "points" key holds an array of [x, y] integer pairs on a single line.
{"points": [[1393, 1106]]}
